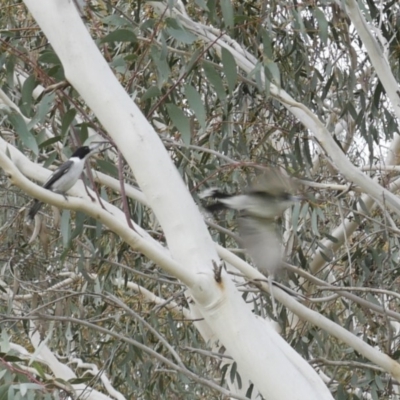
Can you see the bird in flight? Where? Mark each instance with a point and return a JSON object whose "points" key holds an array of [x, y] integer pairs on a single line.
{"points": [[258, 206]]}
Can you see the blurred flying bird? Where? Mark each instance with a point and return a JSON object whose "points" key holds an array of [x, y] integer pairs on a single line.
{"points": [[259, 205]]}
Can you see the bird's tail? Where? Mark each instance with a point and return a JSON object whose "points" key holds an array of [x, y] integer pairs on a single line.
{"points": [[217, 195], [34, 209]]}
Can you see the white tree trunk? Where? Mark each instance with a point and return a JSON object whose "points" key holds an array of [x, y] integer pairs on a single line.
{"points": [[277, 371]]}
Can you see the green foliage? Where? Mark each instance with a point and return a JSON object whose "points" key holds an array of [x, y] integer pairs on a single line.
{"points": [[220, 125]]}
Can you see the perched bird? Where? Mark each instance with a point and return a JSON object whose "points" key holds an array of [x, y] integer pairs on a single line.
{"points": [[66, 175], [267, 198]]}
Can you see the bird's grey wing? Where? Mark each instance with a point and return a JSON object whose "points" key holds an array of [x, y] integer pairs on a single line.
{"points": [[258, 236], [57, 174], [274, 182]]}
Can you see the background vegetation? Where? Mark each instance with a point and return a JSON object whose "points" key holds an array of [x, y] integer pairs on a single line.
{"points": [[220, 124]]}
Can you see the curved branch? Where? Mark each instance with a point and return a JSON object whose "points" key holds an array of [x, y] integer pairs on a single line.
{"points": [[315, 318], [112, 217], [151, 352]]}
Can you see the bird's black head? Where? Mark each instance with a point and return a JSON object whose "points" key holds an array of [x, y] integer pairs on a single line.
{"points": [[82, 152]]}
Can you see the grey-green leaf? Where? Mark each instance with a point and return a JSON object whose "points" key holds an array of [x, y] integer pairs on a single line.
{"points": [[65, 227], [159, 59], [26, 98], [229, 63], [202, 4], [43, 108], [23, 132], [274, 73], [267, 45], [227, 13], [322, 25], [180, 121], [116, 20], [196, 104], [120, 35], [182, 35], [49, 57], [152, 91], [314, 223], [67, 120], [214, 78], [107, 167]]}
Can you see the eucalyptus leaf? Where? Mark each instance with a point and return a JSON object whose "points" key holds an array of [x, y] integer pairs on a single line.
{"points": [[227, 12], [67, 121], [151, 92], [116, 20], [120, 35], [230, 69], [49, 57], [314, 223], [23, 132], [233, 372], [215, 79], [45, 104], [65, 227], [322, 24], [50, 141], [180, 121], [273, 72], [27, 98], [163, 68], [182, 35], [196, 104], [107, 167], [202, 4]]}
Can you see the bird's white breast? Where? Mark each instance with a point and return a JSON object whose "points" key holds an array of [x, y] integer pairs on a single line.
{"points": [[68, 180]]}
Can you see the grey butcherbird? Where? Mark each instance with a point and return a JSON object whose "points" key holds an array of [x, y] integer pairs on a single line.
{"points": [[267, 198], [66, 175]]}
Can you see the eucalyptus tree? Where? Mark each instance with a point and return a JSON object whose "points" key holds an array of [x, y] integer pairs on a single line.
{"points": [[120, 290]]}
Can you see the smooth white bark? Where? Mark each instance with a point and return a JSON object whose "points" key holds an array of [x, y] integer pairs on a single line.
{"points": [[160, 256], [275, 368], [45, 356], [134, 136], [385, 75], [14, 162], [376, 55], [306, 314], [247, 62]]}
